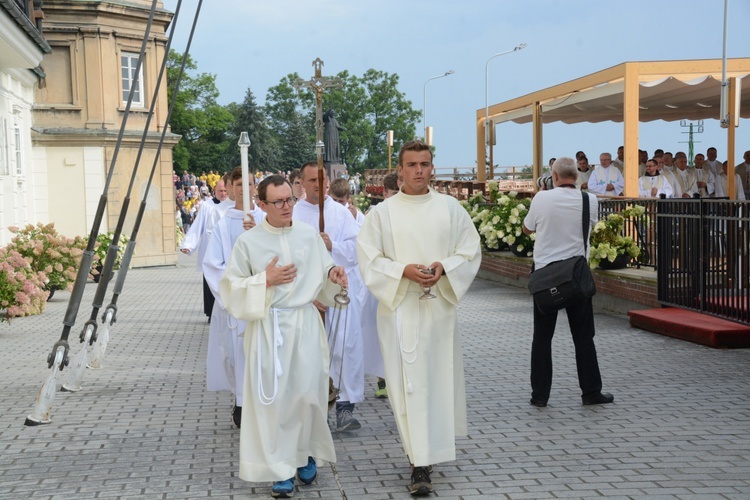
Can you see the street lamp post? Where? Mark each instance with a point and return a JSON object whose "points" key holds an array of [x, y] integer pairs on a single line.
{"points": [[244, 144], [487, 134], [424, 103]]}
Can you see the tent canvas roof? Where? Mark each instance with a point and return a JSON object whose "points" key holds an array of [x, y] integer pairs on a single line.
{"points": [[667, 90]]}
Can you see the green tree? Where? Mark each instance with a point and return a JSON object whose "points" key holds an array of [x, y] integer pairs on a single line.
{"points": [[249, 117], [292, 119], [198, 118], [366, 107]]}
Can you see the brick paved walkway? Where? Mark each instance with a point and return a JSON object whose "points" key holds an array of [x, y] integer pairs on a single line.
{"points": [[145, 427]]}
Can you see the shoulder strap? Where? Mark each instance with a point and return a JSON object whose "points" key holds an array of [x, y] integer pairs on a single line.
{"points": [[585, 219]]}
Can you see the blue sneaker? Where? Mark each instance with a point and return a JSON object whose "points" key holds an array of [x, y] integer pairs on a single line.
{"points": [[283, 489], [308, 473]]}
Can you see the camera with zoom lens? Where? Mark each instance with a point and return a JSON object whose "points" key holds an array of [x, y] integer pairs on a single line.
{"points": [[544, 182]]}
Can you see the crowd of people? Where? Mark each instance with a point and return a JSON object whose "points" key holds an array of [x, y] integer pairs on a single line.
{"points": [[280, 344], [302, 307], [663, 174], [191, 191]]}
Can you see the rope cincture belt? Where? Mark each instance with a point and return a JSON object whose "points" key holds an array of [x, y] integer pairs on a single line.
{"points": [[278, 341]]}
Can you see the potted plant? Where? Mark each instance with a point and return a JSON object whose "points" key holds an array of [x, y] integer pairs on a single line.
{"points": [[609, 248], [103, 241]]}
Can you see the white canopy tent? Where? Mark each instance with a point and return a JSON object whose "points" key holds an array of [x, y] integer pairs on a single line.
{"points": [[629, 93]]}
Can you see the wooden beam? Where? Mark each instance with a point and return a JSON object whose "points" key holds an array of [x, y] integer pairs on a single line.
{"points": [[731, 107], [630, 113], [537, 141], [481, 159]]}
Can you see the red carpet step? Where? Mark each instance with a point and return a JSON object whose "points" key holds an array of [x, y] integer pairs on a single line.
{"points": [[692, 326]]}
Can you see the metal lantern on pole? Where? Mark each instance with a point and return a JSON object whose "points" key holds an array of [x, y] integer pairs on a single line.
{"points": [[244, 144], [424, 103]]}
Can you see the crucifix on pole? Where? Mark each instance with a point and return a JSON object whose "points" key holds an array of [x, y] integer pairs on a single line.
{"points": [[318, 83]]}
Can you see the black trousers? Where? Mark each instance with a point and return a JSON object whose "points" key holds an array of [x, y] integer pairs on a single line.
{"points": [[208, 299], [581, 321]]}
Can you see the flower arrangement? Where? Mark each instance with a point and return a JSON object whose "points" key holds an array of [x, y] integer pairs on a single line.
{"points": [[508, 222], [49, 252], [376, 190], [22, 290], [103, 240], [362, 201], [608, 241], [500, 223]]}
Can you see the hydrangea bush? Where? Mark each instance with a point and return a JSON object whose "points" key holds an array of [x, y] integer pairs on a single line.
{"points": [[22, 290], [49, 252], [608, 240], [500, 222], [103, 240]]}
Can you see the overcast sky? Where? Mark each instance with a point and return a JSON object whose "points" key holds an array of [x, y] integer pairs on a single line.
{"points": [[255, 43]]}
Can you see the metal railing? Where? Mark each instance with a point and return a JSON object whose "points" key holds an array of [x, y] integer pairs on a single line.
{"points": [[703, 256]]}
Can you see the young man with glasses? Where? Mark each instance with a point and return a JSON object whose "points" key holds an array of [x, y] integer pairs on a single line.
{"points": [[276, 271]]}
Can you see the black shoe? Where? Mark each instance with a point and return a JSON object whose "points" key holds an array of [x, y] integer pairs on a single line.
{"points": [[598, 399], [537, 402], [237, 416], [421, 485]]}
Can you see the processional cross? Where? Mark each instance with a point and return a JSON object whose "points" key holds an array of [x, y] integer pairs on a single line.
{"points": [[318, 84]]}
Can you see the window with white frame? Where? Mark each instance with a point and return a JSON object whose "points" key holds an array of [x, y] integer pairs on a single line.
{"points": [[128, 63], [4, 170], [17, 136]]}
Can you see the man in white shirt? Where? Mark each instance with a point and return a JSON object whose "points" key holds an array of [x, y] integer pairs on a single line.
{"points": [[606, 180], [555, 215]]}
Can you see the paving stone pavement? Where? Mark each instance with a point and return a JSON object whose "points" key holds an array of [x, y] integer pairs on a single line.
{"points": [[145, 427]]}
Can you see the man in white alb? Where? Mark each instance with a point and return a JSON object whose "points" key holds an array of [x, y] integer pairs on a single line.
{"points": [[653, 184], [198, 235], [415, 240], [340, 238], [605, 179], [705, 179], [686, 182], [225, 361], [276, 270]]}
